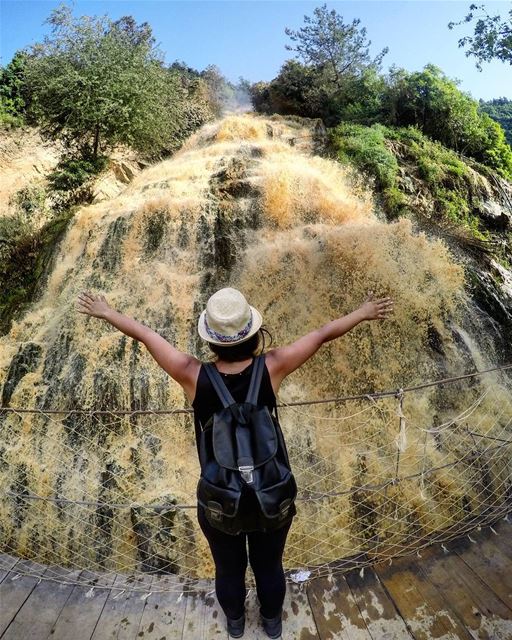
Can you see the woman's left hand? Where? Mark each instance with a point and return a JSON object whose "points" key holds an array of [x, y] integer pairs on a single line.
{"points": [[92, 305], [377, 309]]}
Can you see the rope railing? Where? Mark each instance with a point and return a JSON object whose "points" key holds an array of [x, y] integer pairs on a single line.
{"points": [[381, 478], [364, 396], [306, 494]]}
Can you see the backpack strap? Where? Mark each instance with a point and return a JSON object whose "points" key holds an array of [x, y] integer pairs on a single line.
{"points": [[223, 392], [256, 377], [218, 384]]}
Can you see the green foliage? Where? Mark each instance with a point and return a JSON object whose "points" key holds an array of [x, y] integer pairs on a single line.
{"points": [[71, 173], [338, 82], [434, 170], [293, 92], [431, 101], [492, 37], [366, 148], [7, 120], [95, 83], [12, 98], [333, 48], [336, 78], [500, 110], [71, 182], [301, 90], [29, 202]]}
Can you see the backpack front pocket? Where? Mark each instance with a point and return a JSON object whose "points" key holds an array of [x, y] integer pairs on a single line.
{"points": [[276, 501], [221, 502]]}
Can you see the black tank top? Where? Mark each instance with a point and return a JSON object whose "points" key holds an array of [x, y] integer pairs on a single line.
{"points": [[207, 402]]}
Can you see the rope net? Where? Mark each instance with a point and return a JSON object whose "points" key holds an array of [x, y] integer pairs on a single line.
{"points": [[379, 475]]}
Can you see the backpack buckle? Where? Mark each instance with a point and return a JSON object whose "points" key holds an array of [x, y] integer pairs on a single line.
{"points": [[215, 510], [246, 473]]}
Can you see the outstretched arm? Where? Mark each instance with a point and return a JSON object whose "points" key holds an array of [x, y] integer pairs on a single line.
{"points": [[180, 366], [283, 360]]}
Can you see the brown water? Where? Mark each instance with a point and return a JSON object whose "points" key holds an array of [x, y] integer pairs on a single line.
{"points": [[244, 204]]}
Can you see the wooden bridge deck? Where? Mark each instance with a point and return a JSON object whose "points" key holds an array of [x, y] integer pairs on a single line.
{"points": [[463, 593]]}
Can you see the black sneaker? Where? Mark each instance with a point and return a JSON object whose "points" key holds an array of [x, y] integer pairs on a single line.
{"points": [[273, 626], [236, 627]]}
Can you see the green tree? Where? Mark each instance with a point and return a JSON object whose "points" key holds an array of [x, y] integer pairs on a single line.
{"points": [[293, 92], [500, 109], [335, 79], [492, 37], [12, 100], [337, 50], [95, 83]]}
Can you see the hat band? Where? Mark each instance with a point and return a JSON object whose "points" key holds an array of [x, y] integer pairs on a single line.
{"points": [[222, 338]]}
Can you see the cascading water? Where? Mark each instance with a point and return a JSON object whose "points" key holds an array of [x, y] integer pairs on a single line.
{"points": [[245, 203]]}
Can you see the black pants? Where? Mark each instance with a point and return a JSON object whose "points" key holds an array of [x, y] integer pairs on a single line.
{"points": [[230, 557]]}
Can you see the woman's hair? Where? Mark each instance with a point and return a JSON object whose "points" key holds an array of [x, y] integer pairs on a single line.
{"points": [[243, 350]]}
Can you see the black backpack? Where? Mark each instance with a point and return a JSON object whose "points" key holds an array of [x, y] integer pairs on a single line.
{"points": [[242, 449]]}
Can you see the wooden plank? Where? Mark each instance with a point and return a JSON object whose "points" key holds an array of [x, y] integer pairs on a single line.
{"points": [[78, 617], [134, 608], [298, 621], [15, 590], [378, 610], [420, 604], [41, 609], [486, 559], [481, 611], [113, 617], [7, 563], [335, 611], [504, 538], [504, 525], [164, 613], [204, 617], [253, 628]]}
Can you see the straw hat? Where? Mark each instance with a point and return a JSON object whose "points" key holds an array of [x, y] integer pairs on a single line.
{"points": [[228, 319]]}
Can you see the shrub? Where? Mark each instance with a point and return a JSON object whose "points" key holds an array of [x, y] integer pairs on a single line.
{"points": [[366, 148]]}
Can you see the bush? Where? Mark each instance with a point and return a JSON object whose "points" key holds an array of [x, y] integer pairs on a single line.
{"points": [[366, 148], [435, 170], [30, 202], [71, 181], [8, 121], [72, 173]]}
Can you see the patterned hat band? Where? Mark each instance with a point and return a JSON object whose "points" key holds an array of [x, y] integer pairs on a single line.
{"points": [[227, 339]]}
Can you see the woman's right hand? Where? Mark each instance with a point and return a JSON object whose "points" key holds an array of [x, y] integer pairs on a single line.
{"points": [[92, 305], [377, 309]]}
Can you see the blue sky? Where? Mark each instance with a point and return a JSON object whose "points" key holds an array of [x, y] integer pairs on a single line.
{"points": [[246, 38]]}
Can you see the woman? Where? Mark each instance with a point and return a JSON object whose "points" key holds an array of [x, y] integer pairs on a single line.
{"points": [[233, 331]]}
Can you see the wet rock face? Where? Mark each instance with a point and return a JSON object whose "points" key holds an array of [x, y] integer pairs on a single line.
{"points": [[25, 361], [154, 231], [56, 356], [64, 389], [19, 487], [231, 181], [489, 291], [111, 251], [494, 216], [364, 509], [164, 535]]}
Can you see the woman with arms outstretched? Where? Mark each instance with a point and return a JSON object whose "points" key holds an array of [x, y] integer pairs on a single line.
{"points": [[233, 330]]}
